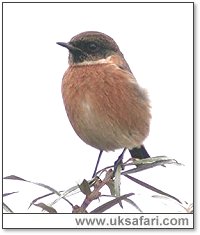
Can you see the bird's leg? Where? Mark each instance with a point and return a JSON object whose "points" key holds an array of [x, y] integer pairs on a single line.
{"points": [[98, 160], [119, 160]]}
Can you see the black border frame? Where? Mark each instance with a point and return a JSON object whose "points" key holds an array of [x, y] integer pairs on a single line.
{"points": [[194, 56]]}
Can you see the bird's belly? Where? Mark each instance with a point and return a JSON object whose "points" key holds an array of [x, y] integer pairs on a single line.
{"points": [[101, 131], [104, 111]]}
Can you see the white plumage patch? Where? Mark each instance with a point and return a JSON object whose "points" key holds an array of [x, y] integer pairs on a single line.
{"points": [[86, 107], [101, 61]]}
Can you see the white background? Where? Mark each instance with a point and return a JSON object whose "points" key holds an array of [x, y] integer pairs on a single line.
{"points": [[39, 142]]}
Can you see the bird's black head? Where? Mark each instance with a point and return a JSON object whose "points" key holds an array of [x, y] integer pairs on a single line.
{"points": [[90, 46]]}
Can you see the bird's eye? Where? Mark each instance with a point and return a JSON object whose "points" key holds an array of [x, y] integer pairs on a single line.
{"points": [[93, 47]]}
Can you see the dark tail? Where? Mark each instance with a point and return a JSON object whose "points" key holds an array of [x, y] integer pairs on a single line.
{"points": [[140, 152]]}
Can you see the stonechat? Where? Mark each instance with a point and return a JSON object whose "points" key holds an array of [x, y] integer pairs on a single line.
{"points": [[105, 104]]}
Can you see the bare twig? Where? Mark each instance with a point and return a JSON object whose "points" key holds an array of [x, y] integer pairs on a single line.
{"points": [[94, 194]]}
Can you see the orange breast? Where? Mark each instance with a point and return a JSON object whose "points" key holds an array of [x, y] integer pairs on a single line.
{"points": [[106, 107]]}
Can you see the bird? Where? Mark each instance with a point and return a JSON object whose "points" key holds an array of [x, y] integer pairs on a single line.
{"points": [[105, 104]]}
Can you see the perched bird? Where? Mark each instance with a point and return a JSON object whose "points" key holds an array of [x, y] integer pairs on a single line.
{"points": [[105, 104]]}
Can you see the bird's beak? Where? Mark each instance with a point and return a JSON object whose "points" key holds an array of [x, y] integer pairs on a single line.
{"points": [[69, 46]]}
